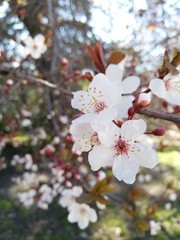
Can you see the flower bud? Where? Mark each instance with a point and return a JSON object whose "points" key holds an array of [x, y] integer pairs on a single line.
{"points": [[64, 62], [159, 131], [9, 82], [131, 111], [143, 100], [87, 76]]}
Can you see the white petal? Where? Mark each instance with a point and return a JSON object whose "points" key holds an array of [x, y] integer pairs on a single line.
{"points": [[124, 104], [29, 41], [72, 217], [81, 145], [77, 191], [81, 101], [92, 215], [99, 85], [84, 131], [125, 169], [100, 156], [132, 129], [85, 118], [157, 87], [110, 134], [173, 97], [130, 84], [146, 156], [39, 38], [114, 73], [83, 222], [35, 54]]}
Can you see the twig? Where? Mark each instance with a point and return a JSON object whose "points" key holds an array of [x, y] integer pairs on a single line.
{"points": [[161, 115]]}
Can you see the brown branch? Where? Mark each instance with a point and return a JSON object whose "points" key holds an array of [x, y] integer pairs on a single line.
{"points": [[161, 115]]}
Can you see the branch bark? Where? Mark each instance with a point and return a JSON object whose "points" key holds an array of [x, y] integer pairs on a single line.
{"points": [[171, 117]]}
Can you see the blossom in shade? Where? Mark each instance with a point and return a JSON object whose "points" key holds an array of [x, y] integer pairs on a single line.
{"points": [[122, 147], [68, 196], [167, 88], [84, 137], [82, 214], [35, 46], [154, 227]]}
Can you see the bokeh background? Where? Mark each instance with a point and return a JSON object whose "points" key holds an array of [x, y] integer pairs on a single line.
{"points": [[34, 116]]}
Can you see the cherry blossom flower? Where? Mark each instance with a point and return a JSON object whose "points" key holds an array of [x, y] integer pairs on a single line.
{"points": [[69, 196], [154, 228], [27, 198], [123, 148], [46, 196], [82, 214], [35, 46], [167, 88], [86, 139], [103, 101], [99, 102]]}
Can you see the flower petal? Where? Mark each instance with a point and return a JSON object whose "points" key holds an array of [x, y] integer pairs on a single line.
{"points": [[39, 39], [173, 97], [125, 103], [105, 117], [157, 87], [100, 156], [114, 73], [81, 101], [85, 118], [125, 169], [130, 84], [92, 215], [83, 131], [146, 156], [132, 129]]}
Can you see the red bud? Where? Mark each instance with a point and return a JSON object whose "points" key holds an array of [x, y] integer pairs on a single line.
{"points": [[159, 131]]}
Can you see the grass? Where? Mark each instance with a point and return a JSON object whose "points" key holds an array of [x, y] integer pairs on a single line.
{"points": [[18, 223]]}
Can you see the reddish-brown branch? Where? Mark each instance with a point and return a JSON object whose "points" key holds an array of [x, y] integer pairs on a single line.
{"points": [[161, 115]]}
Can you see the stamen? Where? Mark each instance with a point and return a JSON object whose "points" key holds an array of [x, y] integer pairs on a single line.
{"points": [[121, 147]]}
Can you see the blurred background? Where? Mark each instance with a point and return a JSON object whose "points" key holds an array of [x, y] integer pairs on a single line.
{"points": [[35, 116]]}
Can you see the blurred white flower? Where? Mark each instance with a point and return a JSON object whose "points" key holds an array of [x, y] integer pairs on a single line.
{"points": [[173, 197], [154, 227], [26, 122], [168, 206], [68, 196], [63, 119], [27, 198], [35, 46], [82, 214], [46, 196]]}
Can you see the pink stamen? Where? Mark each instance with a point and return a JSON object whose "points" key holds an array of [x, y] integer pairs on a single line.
{"points": [[99, 106], [121, 147]]}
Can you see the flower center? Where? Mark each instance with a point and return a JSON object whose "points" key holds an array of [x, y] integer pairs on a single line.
{"points": [[35, 47], [121, 147], [99, 106], [95, 139]]}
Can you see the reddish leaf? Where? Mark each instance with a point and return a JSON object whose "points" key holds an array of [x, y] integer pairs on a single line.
{"points": [[116, 57]]}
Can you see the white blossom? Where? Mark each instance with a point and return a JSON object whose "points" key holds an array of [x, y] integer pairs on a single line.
{"points": [[27, 198], [121, 147], [154, 227], [68, 196], [167, 88], [82, 214], [35, 46]]}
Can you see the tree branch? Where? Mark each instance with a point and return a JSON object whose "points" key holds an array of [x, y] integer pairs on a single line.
{"points": [[171, 117]]}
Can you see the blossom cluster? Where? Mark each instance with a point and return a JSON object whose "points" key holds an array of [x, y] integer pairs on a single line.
{"points": [[106, 129]]}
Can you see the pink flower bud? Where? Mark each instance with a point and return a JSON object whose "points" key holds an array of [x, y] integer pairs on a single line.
{"points": [[159, 131], [131, 111], [64, 62], [9, 82], [143, 100]]}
